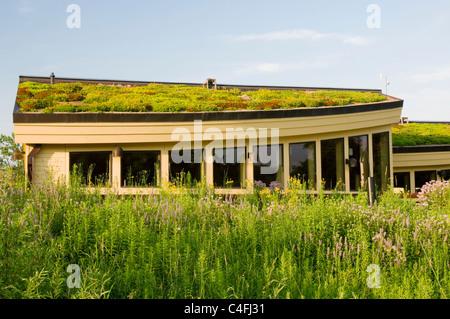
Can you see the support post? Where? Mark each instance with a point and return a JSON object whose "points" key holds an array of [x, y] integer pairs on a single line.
{"points": [[371, 190]]}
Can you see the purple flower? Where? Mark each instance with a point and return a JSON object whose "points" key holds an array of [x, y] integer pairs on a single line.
{"points": [[273, 185], [259, 184]]}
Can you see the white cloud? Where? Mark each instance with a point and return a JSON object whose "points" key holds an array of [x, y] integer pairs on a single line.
{"points": [[436, 75], [267, 68], [24, 7], [300, 34]]}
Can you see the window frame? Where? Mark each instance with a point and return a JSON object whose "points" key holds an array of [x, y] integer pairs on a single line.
{"points": [[125, 169], [242, 167], [108, 164], [202, 165], [314, 159], [343, 168]]}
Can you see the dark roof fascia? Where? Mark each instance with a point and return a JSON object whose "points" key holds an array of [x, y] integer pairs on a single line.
{"points": [[421, 148], [429, 122]]}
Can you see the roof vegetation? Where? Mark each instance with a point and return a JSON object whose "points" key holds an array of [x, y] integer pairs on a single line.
{"points": [[83, 97], [413, 134]]}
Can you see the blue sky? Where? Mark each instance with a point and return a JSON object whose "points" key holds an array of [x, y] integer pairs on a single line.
{"points": [[296, 43]]}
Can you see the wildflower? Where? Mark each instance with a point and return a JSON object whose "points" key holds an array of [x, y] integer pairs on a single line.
{"points": [[259, 184], [275, 186]]}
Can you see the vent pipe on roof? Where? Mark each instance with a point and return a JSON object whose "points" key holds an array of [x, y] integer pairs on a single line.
{"points": [[404, 120], [52, 78], [211, 84]]}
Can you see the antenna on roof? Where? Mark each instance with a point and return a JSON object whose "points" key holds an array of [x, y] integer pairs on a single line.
{"points": [[52, 78], [210, 84], [386, 83]]}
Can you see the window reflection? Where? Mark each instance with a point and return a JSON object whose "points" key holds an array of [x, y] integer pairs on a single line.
{"points": [[229, 167], [302, 162], [381, 164], [333, 163], [358, 161], [268, 165]]}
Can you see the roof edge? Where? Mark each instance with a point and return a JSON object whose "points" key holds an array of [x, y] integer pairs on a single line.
{"points": [[421, 148], [141, 117]]}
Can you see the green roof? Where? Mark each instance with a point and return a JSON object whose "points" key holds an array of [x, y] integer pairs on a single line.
{"points": [[155, 97], [413, 134]]}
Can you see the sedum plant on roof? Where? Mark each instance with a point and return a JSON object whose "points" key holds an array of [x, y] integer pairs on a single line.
{"points": [[81, 97], [420, 134]]}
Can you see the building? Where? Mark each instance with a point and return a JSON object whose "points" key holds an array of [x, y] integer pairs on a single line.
{"points": [[133, 151], [422, 155]]}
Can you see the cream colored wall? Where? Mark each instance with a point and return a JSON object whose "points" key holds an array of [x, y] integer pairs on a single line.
{"points": [[50, 162], [428, 159], [109, 133]]}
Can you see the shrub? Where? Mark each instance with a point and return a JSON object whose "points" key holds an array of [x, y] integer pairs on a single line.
{"points": [[435, 194]]}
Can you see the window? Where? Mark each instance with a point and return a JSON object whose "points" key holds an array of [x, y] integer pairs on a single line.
{"points": [[381, 162], [422, 177], [358, 161], [140, 168], [185, 166], [302, 162], [402, 180], [444, 174], [333, 163], [268, 165], [229, 166], [93, 167]]}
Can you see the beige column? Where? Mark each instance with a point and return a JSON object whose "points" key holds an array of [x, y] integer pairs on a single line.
{"points": [[391, 160], [115, 172], [346, 167], [285, 164], [318, 164], [370, 142], [164, 166], [249, 161], [209, 170]]}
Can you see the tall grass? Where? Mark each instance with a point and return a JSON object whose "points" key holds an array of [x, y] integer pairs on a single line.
{"points": [[196, 244]]}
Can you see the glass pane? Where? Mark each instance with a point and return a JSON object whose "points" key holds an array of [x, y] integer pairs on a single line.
{"points": [[187, 168], [358, 161], [228, 167], [140, 168], [302, 162], [445, 174], [268, 166], [333, 163], [381, 162], [92, 166], [402, 180], [422, 177]]}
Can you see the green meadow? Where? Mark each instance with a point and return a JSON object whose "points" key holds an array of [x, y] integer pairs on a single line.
{"points": [[188, 242]]}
